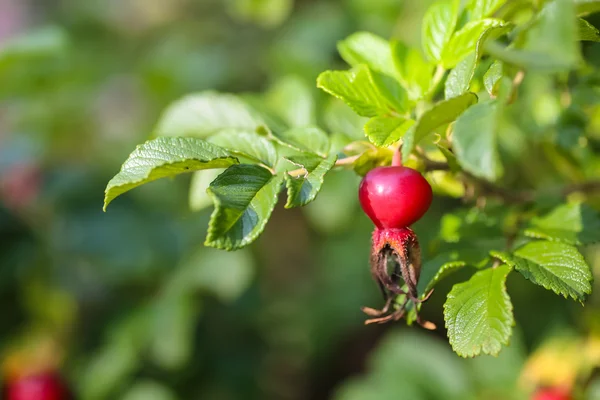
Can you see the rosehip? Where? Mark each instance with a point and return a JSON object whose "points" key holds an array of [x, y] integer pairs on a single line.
{"points": [[45, 386], [394, 197], [551, 394]]}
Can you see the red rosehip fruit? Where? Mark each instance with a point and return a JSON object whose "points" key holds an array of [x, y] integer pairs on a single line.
{"points": [[44, 386], [551, 394], [394, 197]]}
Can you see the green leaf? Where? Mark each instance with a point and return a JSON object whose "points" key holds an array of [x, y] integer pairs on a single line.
{"points": [[292, 100], [438, 25], [148, 390], [440, 114], [413, 71], [585, 7], [484, 8], [244, 197], [436, 269], [341, 119], [307, 139], [469, 38], [492, 76], [358, 88], [198, 198], [371, 159], [383, 131], [478, 313], [370, 49], [587, 31], [450, 158], [555, 266], [475, 141], [165, 157], [459, 78], [303, 189], [555, 33], [247, 144], [206, 113], [574, 223]]}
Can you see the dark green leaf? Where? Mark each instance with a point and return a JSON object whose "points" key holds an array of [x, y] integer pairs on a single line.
{"points": [[459, 79], [165, 157], [370, 49], [247, 144], [383, 131], [478, 313], [413, 71], [574, 223], [475, 141], [244, 197], [303, 189], [440, 114], [438, 25], [204, 114], [587, 31], [556, 266], [357, 88]]}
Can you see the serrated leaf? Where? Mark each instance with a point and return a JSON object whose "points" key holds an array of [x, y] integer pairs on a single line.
{"points": [[371, 159], [303, 189], [308, 139], [244, 197], [574, 223], [475, 141], [587, 31], [292, 100], [198, 198], [493, 75], [357, 88], [247, 144], [206, 113], [478, 313], [441, 113], [165, 157], [413, 71], [484, 8], [383, 131], [555, 266], [370, 49], [554, 33], [469, 38], [459, 78], [438, 25]]}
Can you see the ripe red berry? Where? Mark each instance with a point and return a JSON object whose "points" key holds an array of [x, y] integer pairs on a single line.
{"points": [[551, 394], [45, 386], [394, 197]]}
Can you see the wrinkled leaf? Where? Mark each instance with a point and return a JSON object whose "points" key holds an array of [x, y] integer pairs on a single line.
{"points": [[303, 189], [383, 131], [587, 31]]}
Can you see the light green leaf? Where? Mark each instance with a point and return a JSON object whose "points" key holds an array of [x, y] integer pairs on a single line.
{"points": [[469, 38], [148, 390], [308, 139], [555, 266], [438, 25], [165, 157], [204, 114], [293, 101], [413, 71], [478, 313], [450, 158], [554, 34], [244, 197], [341, 119], [370, 49], [459, 78], [585, 7], [587, 31], [303, 189], [371, 159], [265, 13], [440, 114], [383, 131], [574, 223], [247, 144], [484, 8], [198, 198], [475, 141], [493, 75]]}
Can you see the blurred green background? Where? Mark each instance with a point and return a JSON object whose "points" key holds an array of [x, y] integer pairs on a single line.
{"points": [[129, 305]]}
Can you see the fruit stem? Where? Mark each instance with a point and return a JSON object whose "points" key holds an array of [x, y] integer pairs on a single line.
{"points": [[397, 157]]}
